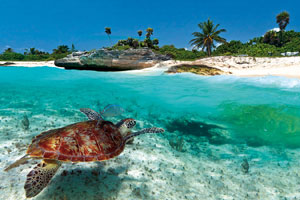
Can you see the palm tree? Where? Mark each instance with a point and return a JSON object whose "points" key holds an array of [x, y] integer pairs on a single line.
{"points": [[149, 32], [283, 19], [61, 49], [108, 32], [207, 36], [32, 51], [140, 33]]}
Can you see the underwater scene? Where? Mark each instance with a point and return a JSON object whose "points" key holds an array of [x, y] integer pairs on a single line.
{"points": [[225, 137]]}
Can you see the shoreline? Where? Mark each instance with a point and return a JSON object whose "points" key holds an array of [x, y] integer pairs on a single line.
{"points": [[247, 66], [237, 66], [28, 63]]}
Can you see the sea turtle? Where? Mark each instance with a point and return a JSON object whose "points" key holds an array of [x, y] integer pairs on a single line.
{"points": [[87, 141]]}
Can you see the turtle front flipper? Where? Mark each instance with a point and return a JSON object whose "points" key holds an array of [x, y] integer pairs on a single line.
{"points": [[91, 114], [143, 131], [40, 176]]}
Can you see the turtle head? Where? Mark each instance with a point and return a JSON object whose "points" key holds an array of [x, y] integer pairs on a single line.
{"points": [[126, 125]]}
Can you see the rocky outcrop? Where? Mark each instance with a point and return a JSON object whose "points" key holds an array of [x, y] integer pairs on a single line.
{"points": [[6, 63], [111, 60], [196, 69]]}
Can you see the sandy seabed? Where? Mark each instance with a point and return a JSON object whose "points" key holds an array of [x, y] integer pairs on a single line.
{"points": [[151, 168]]}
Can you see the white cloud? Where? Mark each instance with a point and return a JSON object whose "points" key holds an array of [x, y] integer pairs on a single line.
{"points": [[275, 29]]}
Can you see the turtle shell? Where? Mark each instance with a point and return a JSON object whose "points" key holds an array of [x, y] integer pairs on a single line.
{"points": [[80, 142]]}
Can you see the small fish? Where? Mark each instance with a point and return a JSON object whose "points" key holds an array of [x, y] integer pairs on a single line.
{"points": [[112, 110]]}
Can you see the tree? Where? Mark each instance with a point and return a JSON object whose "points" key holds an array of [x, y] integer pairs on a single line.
{"points": [[229, 48], [140, 33], [32, 51], [73, 48], [155, 41], [149, 32], [207, 36], [148, 43], [271, 37], [8, 50], [283, 19], [108, 32], [61, 49], [135, 43]]}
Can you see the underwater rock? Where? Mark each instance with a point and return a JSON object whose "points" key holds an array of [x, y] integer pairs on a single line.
{"points": [[199, 69], [111, 60], [245, 166], [177, 144], [214, 133], [7, 63], [25, 122]]}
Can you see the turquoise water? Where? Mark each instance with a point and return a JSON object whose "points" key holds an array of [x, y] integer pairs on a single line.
{"points": [[263, 109], [222, 110]]}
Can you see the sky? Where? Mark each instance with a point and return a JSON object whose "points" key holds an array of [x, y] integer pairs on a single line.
{"points": [[45, 24]]}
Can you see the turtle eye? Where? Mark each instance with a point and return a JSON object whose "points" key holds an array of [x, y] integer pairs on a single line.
{"points": [[131, 123]]}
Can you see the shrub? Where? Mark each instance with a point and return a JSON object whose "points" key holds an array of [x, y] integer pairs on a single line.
{"points": [[12, 56], [181, 54], [229, 48], [260, 50]]}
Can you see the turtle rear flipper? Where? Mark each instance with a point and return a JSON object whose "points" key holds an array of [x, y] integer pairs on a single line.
{"points": [[40, 176], [19, 162]]}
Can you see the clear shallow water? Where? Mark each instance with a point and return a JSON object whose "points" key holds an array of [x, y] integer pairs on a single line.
{"points": [[223, 110], [258, 111]]}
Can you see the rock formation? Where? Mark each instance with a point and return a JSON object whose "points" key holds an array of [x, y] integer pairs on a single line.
{"points": [[111, 60], [199, 69]]}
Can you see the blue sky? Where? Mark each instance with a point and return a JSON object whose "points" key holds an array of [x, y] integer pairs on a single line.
{"points": [[44, 24]]}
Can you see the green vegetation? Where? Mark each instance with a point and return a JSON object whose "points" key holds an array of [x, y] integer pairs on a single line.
{"points": [[33, 54], [181, 53], [149, 32], [268, 45], [205, 39], [283, 19], [273, 43], [135, 43], [171, 50]]}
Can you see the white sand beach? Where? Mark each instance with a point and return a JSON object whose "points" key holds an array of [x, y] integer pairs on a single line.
{"points": [[248, 66], [238, 66]]}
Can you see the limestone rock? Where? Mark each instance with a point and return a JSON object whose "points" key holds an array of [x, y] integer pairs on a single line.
{"points": [[199, 69], [111, 60]]}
